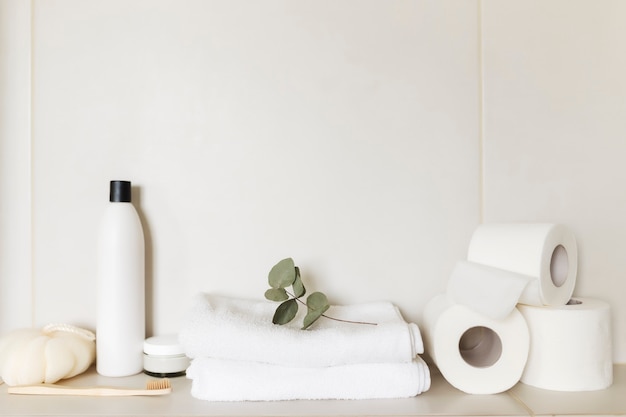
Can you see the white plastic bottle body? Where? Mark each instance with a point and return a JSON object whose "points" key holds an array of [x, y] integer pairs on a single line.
{"points": [[120, 328]]}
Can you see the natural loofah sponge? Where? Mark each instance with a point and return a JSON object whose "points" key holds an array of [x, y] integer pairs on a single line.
{"points": [[35, 356]]}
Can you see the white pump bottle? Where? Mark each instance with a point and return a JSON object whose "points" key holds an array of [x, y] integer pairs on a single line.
{"points": [[120, 328]]}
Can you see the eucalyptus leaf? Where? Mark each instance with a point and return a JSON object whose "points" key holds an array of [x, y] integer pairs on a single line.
{"points": [[298, 286], [312, 316], [317, 304], [285, 312], [317, 301], [276, 294], [283, 274]]}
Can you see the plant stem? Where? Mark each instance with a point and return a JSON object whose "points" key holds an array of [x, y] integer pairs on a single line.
{"points": [[349, 321], [332, 318]]}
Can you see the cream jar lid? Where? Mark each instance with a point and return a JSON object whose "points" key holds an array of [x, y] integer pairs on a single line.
{"points": [[166, 345]]}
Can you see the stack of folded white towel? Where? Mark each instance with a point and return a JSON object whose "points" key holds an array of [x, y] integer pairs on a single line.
{"points": [[238, 354]]}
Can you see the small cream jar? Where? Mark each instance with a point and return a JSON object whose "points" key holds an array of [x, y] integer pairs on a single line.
{"points": [[164, 357]]}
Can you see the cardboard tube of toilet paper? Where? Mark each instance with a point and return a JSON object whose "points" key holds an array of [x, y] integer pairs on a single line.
{"points": [[474, 353], [570, 346], [544, 251]]}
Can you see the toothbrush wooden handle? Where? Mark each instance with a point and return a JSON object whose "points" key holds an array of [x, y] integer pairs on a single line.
{"points": [[50, 389]]}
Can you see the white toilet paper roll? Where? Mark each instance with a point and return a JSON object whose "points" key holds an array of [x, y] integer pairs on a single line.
{"points": [[546, 252], [487, 290], [474, 353], [570, 346]]}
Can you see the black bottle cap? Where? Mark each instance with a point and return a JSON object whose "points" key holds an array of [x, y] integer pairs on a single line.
{"points": [[120, 192]]}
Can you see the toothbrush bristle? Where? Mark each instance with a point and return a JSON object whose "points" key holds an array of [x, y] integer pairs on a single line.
{"points": [[159, 384]]}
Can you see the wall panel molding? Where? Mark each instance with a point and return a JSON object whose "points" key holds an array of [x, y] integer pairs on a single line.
{"points": [[16, 309]]}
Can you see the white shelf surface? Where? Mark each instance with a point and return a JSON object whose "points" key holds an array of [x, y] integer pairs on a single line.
{"points": [[441, 400]]}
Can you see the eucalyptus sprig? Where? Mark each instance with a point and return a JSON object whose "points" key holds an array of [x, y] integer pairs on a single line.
{"points": [[284, 275]]}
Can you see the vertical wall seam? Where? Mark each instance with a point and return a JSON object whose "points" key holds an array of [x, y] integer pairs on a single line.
{"points": [[481, 115], [31, 164]]}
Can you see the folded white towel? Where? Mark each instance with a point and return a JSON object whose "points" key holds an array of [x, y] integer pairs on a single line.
{"points": [[227, 380], [232, 328]]}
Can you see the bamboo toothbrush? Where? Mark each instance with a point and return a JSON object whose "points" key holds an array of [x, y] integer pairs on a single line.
{"points": [[153, 387]]}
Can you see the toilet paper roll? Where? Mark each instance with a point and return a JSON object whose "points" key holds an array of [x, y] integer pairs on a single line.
{"points": [[474, 353], [570, 346], [490, 291], [546, 252]]}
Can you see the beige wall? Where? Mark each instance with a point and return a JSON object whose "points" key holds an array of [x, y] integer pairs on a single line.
{"points": [[15, 165], [365, 139]]}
